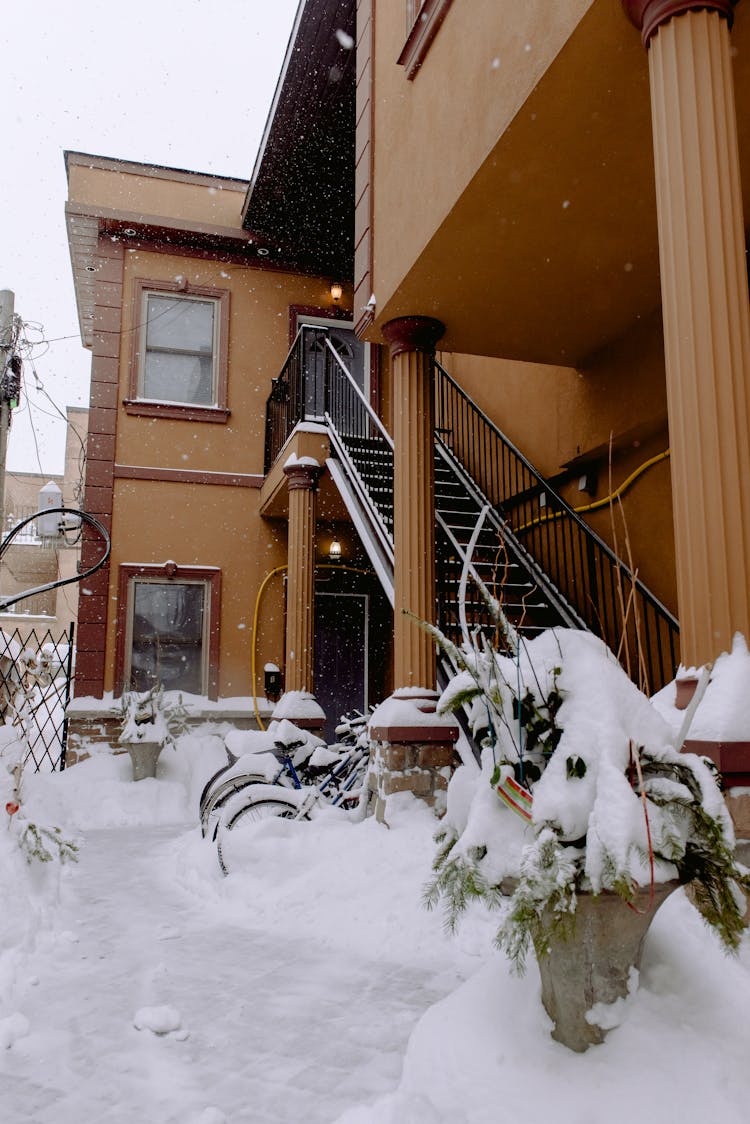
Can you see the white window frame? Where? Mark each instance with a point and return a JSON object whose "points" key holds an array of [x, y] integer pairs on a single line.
{"points": [[165, 294], [205, 631]]}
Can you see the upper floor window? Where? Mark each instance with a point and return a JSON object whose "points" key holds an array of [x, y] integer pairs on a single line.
{"points": [[180, 347], [423, 19]]}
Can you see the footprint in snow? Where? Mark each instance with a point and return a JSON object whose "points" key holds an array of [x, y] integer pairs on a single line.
{"points": [[167, 933], [161, 1021]]}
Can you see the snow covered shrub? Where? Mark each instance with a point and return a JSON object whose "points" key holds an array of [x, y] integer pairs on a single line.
{"points": [[152, 716], [581, 789]]}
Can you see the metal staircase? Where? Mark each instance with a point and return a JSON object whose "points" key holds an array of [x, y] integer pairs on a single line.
{"points": [[543, 563]]}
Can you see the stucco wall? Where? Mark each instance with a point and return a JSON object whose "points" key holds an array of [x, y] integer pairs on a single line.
{"points": [[207, 524], [484, 62], [557, 415]]}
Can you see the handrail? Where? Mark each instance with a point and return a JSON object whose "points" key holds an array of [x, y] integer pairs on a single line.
{"points": [[588, 574], [359, 393], [583, 571], [287, 404]]}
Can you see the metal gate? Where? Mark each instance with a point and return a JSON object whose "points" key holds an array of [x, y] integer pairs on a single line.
{"points": [[47, 700]]}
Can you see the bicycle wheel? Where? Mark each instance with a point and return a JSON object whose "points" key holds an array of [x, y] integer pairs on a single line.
{"points": [[266, 802], [208, 786], [221, 793]]}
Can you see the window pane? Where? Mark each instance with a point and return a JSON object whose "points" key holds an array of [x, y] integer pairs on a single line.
{"points": [[178, 365], [167, 643], [186, 324], [178, 378]]}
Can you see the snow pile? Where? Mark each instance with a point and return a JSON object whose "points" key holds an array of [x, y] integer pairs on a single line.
{"points": [[320, 951], [299, 705], [159, 1020], [723, 714], [410, 706], [100, 791]]}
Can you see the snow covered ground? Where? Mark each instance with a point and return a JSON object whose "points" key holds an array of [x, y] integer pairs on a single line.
{"points": [[315, 987]]}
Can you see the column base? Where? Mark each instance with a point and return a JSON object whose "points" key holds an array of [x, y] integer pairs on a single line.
{"points": [[731, 758], [413, 749], [301, 708]]}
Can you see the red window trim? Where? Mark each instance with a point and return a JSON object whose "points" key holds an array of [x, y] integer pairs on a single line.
{"points": [[168, 571], [425, 26], [188, 411], [149, 408]]}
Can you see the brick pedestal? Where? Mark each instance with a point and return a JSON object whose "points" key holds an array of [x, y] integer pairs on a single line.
{"points": [[409, 755]]}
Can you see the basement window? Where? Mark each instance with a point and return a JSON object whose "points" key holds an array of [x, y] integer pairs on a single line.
{"points": [[168, 628]]}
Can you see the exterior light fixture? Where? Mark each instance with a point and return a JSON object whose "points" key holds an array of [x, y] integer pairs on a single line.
{"points": [[272, 682], [334, 551], [336, 291]]}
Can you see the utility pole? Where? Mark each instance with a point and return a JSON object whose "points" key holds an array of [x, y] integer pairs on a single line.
{"points": [[7, 305]]}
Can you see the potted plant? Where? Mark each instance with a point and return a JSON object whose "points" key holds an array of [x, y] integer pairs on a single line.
{"points": [[148, 723], [583, 820]]}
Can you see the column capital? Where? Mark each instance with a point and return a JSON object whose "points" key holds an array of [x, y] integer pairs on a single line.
{"points": [[649, 15], [413, 333], [302, 476]]}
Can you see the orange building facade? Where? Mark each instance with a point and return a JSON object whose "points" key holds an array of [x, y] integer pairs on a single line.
{"points": [[545, 200]]}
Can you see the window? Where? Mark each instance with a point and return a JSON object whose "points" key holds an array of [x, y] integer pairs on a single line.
{"points": [[167, 642], [178, 366], [423, 20], [168, 629], [179, 350]]}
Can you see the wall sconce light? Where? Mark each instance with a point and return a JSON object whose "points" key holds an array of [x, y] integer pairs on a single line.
{"points": [[336, 291], [334, 551]]}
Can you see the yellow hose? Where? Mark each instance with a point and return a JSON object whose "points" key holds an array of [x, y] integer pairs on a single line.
{"points": [[625, 484], [263, 584], [605, 501], [256, 613]]}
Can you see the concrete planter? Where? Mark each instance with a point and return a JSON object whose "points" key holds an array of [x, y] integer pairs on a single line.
{"points": [[144, 755], [592, 963]]}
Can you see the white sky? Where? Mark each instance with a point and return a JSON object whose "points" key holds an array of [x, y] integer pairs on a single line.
{"points": [[187, 84]]}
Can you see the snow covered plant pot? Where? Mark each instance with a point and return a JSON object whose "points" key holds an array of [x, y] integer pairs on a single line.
{"points": [[143, 755], [589, 970], [584, 813], [148, 723]]}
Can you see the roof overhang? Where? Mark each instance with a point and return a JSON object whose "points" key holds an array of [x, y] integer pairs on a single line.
{"points": [[551, 251], [155, 205], [301, 193]]}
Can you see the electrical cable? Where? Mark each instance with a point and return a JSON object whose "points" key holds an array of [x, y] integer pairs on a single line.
{"points": [[5, 602]]}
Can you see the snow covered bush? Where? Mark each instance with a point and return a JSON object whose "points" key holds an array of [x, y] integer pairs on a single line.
{"points": [[152, 716], [581, 789]]}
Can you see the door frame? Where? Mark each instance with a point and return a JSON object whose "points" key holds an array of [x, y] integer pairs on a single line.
{"points": [[328, 318]]}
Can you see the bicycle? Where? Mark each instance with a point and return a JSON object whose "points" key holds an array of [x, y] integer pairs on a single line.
{"points": [[345, 786], [296, 761]]}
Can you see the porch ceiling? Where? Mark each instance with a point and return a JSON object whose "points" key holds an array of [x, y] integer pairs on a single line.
{"points": [[552, 249]]}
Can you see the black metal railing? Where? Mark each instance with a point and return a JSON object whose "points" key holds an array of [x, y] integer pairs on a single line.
{"points": [[575, 569], [284, 408], [608, 598], [315, 384], [361, 440]]}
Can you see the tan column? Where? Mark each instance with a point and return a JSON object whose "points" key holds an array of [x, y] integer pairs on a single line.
{"points": [[300, 592], [412, 340], [705, 311]]}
